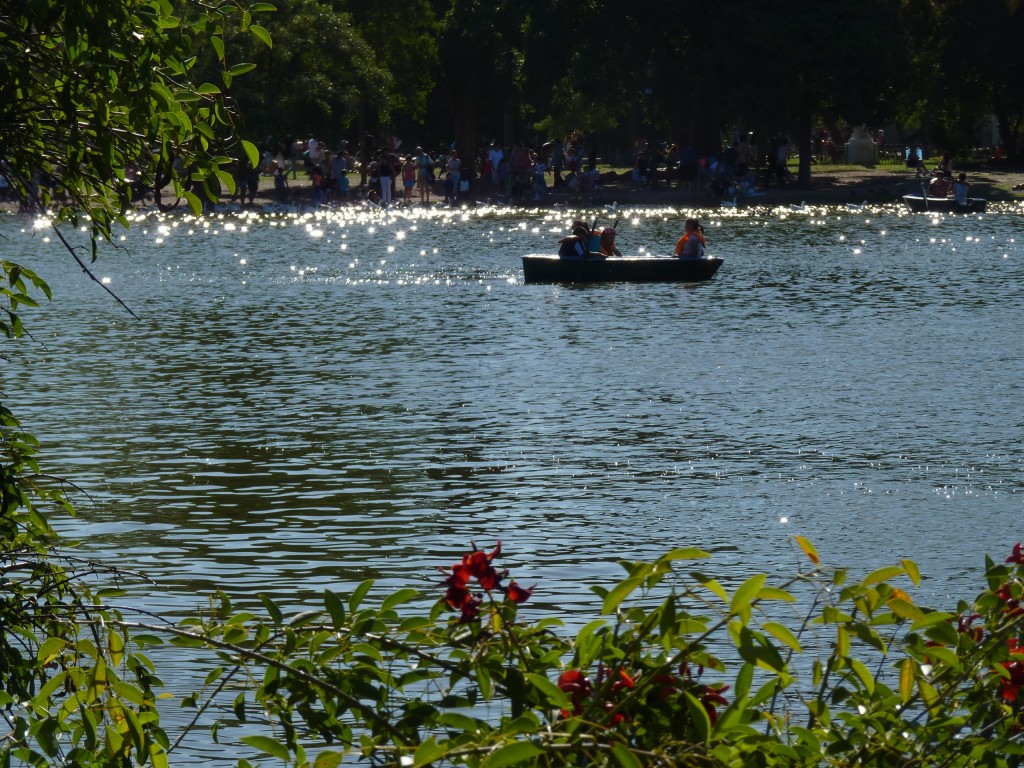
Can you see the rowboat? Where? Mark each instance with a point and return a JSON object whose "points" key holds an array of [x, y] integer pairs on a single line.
{"points": [[543, 268], [944, 204]]}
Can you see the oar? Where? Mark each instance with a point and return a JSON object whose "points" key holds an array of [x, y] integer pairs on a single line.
{"points": [[924, 194]]}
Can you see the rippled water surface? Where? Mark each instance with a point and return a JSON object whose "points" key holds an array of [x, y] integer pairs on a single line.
{"points": [[308, 401]]}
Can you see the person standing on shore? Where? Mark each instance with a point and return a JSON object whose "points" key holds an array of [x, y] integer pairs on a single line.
{"points": [[454, 169], [424, 174]]}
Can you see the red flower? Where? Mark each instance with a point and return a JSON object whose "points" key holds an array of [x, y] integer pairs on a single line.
{"points": [[518, 594], [669, 685], [477, 564], [577, 687], [470, 610], [624, 681], [1017, 556], [457, 596], [1005, 593], [1012, 684], [964, 627], [712, 697]]}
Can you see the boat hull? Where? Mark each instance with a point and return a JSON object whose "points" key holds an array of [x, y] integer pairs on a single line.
{"points": [[944, 204], [539, 268]]}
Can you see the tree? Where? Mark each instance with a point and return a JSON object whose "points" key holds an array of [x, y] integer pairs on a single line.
{"points": [[970, 69], [319, 77]]}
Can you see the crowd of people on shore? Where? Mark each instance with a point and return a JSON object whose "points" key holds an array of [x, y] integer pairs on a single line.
{"points": [[391, 172], [396, 174]]}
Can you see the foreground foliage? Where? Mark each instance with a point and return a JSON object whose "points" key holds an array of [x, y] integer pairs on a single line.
{"points": [[678, 670], [100, 100]]}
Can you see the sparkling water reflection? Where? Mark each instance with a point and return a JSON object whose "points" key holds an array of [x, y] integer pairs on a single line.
{"points": [[308, 401]]}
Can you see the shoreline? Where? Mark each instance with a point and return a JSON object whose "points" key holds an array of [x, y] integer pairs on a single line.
{"points": [[835, 186]]}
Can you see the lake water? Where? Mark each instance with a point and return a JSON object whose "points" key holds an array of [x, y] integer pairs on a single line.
{"points": [[309, 401]]}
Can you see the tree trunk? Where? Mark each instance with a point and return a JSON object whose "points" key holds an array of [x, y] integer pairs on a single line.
{"points": [[465, 134], [804, 143], [1010, 135]]}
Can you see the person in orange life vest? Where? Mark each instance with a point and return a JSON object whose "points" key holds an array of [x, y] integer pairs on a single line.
{"points": [[692, 244], [606, 243], [939, 185]]}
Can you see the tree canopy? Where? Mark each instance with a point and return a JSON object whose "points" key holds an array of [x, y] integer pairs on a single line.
{"points": [[96, 95], [530, 71]]}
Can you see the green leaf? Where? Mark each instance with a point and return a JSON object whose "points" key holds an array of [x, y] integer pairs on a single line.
{"points": [[912, 571], [809, 550], [907, 669], [931, 619], [328, 759], [303, 618], [686, 553], [268, 746], [360, 592], [401, 596], [213, 676], [624, 756], [715, 587], [842, 642], [745, 594], [783, 634], [699, 716], [905, 609], [458, 722], [50, 650], [944, 655], [197, 210], [261, 34], [272, 610], [554, 695], [335, 608], [241, 69], [744, 679], [427, 752], [620, 592], [882, 574], [863, 674], [252, 153], [513, 754], [929, 695]]}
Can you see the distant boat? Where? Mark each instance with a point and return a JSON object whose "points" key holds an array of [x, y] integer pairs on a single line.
{"points": [[944, 204], [542, 268]]}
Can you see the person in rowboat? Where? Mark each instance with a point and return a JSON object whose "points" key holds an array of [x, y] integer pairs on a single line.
{"points": [[692, 244], [606, 243], [960, 189], [575, 245]]}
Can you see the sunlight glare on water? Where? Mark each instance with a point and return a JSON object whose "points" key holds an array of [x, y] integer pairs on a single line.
{"points": [[309, 400]]}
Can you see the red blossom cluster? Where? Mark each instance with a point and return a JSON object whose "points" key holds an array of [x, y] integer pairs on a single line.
{"points": [[578, 688], [479, 566], [1012, 684], [1017, 556], [965, 626]]}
